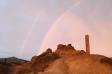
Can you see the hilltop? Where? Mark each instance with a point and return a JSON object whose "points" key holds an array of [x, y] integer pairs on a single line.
{"points": [[66, 60]]}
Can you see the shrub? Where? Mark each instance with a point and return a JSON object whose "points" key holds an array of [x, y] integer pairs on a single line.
{"points": [[106, 61]]}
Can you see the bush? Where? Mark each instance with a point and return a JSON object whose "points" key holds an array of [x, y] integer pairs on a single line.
{"points": [[106, 61]]}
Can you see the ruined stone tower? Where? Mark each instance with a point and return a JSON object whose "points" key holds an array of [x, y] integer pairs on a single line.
{"points": [[87, 44]]}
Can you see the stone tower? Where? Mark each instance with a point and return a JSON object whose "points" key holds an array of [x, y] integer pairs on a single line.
{"points": [[87, 44]]}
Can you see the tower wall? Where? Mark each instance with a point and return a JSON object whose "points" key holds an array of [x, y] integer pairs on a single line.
{"points": [[87, 44]]}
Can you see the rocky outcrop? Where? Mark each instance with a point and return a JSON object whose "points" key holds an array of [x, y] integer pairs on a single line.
{"points": [[41, 62], [68, 51]]}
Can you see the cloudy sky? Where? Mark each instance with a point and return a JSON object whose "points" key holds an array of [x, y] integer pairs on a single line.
{"points": [[28, 27]]}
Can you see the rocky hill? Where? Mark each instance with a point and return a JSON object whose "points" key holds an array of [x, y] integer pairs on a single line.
{"points": [[65, 60]]}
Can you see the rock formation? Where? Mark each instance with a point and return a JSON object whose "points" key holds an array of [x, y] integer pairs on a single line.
{"points": [[67, 60], [68, 51]]}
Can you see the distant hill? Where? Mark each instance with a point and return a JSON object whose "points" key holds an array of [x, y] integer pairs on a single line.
{"points": [[6, 64], [12, 60]]}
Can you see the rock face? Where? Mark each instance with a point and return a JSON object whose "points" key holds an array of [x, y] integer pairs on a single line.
{"points": [[68, 51], [66, 60], [41, 62]]}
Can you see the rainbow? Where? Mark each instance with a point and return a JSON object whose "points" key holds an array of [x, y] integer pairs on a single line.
{"points": [[53, 27]]}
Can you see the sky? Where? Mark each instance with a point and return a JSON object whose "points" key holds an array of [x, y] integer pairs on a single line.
{"points": [[29, 27]]}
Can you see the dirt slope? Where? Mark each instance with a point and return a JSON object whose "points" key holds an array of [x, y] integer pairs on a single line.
{"points": [[80, 65]]}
